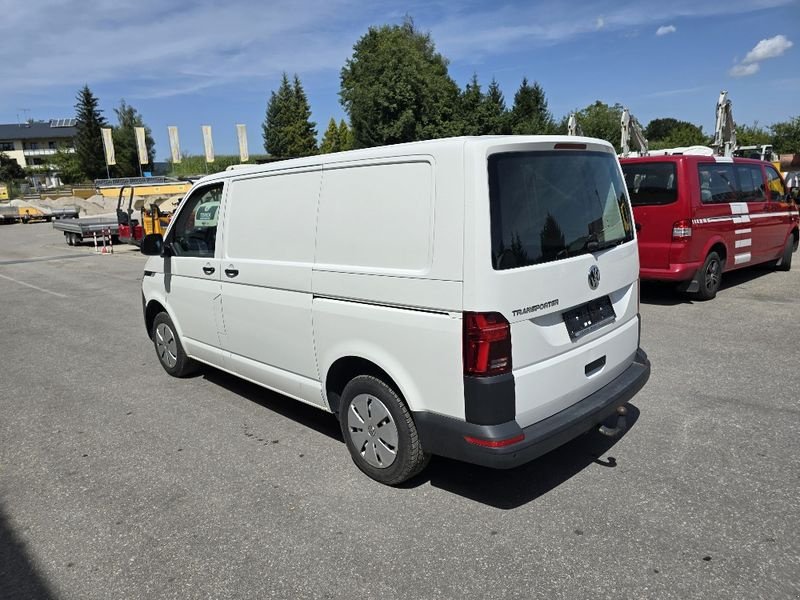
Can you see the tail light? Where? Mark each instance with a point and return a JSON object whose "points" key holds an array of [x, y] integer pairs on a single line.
{"points": [[487, 344], [682, 230]]}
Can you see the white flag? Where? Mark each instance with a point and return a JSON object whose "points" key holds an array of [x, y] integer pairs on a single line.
{"points": [[141, 145], [241, 131], [174, 144], [208, 143], [108, 145]]}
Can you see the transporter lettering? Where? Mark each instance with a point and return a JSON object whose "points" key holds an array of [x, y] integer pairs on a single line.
{"points": [[534, 308]]}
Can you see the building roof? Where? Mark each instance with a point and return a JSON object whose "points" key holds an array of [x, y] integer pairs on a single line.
{"points": [[37, 130]]}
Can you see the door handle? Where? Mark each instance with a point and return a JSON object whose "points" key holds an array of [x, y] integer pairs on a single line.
{"points": [[208, 270], [231, 272]]}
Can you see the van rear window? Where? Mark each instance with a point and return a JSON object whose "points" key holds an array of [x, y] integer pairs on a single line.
{"points": [[551, 205], [651, 183]]}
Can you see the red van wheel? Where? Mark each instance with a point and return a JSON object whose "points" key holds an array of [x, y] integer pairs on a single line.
{"points": [[709, 277]]}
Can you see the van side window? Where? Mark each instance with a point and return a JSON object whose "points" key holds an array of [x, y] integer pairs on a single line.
{"points": [[717, 183], [775, 184], [751, 183], [651, 183], [195, 231]]}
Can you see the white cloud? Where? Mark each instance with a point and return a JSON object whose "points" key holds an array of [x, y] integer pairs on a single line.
{"points": [[744, 70], [666, 29], [769, 48], [763, 50], [599, 23]]}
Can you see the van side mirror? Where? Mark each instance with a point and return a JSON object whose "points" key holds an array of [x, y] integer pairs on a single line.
{"points": [[153, 244]]}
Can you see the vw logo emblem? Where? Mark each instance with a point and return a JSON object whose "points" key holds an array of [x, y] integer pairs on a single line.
{"points": [[594, 277]]}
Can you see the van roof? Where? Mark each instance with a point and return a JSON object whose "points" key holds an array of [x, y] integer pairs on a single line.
{"points": [[690, 158], [405, 149]]}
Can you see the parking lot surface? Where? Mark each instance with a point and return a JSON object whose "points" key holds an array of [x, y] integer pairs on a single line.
{"points": [[117, 481]]}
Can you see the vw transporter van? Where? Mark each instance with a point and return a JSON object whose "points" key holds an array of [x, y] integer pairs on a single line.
{"points": [[475, 298]]}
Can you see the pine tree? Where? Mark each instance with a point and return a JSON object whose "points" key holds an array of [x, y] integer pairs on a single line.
{"points": [[529, 114], [470, 102], [495, 112], [330, 141], [288, 130], [88, 139], [277, 119], [303, 129], [345, 136]]}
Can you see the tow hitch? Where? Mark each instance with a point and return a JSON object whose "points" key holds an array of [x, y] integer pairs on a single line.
{"points": [[622, 424]]}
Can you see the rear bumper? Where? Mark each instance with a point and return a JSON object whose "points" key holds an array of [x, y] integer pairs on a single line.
{"points": [[444, 436], [676, 272]]}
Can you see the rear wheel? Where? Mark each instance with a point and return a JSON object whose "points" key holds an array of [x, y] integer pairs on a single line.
{"points": [[379, 432], [70, 241], [784, 263], [709, 277], [169, 348]]}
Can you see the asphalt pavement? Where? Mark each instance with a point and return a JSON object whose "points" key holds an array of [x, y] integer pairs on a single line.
{"points": [[117, 481]]}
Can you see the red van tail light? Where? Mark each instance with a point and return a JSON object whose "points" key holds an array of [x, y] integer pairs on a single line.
{"points": [[487, 344], [682, 230]]}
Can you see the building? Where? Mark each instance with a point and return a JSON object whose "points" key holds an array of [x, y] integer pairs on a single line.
{"points": [[31, 144]]}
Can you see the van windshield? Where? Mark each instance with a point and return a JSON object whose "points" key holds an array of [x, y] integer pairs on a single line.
{"points": [[551, 205], [651, 183]]}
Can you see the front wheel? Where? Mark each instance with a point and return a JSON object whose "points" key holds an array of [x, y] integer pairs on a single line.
{"points": [[169, 348], [709, 277], [379, 432]]}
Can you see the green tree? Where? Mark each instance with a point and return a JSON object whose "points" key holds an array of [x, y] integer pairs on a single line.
{"points": [[530, 114], [125, 149], [495, 113], [471, 102], [330, 141], [336, 138], [672, 133], [345, 136], [786, 136], [66, 165], [396, 88], [752, 135], [287, 129], [10, 170], [602, 121], [88, 139]]}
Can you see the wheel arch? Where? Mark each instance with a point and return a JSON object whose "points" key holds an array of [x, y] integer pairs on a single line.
{"points": [[346, 367]]}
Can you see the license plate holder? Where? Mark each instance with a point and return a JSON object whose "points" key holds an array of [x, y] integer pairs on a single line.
{"points": [[586, 318]]}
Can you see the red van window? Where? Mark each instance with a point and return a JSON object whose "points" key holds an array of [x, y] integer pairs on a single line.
{"points": [[651, 183], [751, 183], [717, 183]]}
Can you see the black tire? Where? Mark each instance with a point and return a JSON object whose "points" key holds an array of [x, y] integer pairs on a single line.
{"points": [[407, 458], [709, 277], [169, 349], [784, 263], [70, 241]]}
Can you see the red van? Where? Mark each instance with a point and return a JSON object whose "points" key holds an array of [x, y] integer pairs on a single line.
{"points": [[698, 216]]}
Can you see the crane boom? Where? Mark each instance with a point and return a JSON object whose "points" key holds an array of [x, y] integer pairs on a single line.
{"points": [[631, 130], [573, 128], [725, 127]]}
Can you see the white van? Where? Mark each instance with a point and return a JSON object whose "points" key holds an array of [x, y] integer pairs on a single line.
{"points": [[475, 298]]}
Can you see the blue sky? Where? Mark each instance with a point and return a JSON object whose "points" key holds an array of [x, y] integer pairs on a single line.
{"points": [[210, 62]]}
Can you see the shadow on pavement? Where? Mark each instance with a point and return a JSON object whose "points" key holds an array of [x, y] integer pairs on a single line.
{"points": [[501, 489], [18, 577], [318, 420], [666, 294], [515, 487]]}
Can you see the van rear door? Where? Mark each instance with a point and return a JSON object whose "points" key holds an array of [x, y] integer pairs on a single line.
{"points": [[559, 262], [653, 190]]}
